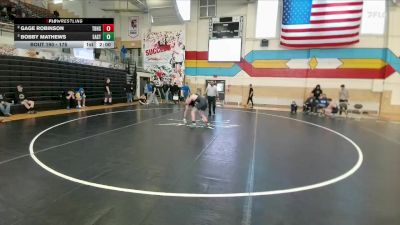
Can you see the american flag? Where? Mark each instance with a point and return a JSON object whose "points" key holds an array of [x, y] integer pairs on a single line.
{"points": [[320, 23]]}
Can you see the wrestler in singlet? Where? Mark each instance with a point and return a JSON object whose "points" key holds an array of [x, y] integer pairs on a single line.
{"points": [[199, 104]]}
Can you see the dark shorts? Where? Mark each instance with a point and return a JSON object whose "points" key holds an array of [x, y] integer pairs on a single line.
{"points": [[201, 106]]}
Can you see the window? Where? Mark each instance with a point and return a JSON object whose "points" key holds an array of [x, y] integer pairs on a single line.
{"points": [[184, 9], [208, 8], [267, 18], [373, 17]]}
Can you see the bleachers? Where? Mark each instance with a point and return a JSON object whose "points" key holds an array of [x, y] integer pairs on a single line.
{"points": [[45, 80], [26, 9], [35, 11]]}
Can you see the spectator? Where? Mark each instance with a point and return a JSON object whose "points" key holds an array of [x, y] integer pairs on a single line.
{"points": [[343, 99], [166, 90], [4, 105], [107, 92], [323, 102], [330, 109], [82, 95], [158, 87], [317, 91], [18, 11], [11, 13], [149, 88], [70, 98], [3, 13], [185, 91], [129, 92], [21, 98], [146, 89], [79, 99], [251, 94], [309, 104], [175, 93], [153, 96], [123, 53], [143, 100], [293, 108], [56, 14], [212, 95]]}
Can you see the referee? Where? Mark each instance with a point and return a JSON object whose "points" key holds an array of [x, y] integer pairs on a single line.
{"points": [[212, 94]]}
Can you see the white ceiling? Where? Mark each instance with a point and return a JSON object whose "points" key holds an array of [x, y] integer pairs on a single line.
{"points": [[159, 3], [162, 11], [123, 5]]}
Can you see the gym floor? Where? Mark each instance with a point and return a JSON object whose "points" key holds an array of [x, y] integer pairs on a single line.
{"points": [[141, 166]]}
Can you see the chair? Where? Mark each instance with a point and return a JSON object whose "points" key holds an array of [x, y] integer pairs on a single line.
{"points": [[358, 109]]}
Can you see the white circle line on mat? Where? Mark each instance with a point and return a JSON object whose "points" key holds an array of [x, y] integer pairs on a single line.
{"points": [[201, 195]]}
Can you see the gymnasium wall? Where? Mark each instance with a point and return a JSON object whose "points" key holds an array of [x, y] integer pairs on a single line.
{"points": [[7, 38], [369, 69]]}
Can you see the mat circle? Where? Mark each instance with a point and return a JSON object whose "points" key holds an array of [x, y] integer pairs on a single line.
{"points": [[201, 195]]}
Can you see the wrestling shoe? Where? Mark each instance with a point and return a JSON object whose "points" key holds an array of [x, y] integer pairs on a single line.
{"points": [[192, 125]]}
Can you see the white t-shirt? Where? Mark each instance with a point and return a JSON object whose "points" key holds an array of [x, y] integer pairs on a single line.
{"points": [[212, 91]]}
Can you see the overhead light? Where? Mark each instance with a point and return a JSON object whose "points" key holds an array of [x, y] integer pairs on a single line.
{"points": [[57, 1]]}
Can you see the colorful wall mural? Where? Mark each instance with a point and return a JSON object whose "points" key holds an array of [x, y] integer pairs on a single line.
{"points": [[347, 63]]}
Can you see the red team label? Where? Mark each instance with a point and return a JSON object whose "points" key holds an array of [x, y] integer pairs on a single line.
{"points": [[108, 27]]}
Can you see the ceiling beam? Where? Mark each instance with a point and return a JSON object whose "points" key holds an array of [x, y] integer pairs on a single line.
{"points": [[162, 7], [125, 10]]}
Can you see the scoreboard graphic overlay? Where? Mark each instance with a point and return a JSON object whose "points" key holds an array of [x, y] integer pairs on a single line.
{"points": [[64, 33]]}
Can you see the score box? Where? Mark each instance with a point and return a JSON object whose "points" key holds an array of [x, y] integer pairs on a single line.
{"points": [[105, 44], [89, 44], [108, 27], [108, 36]]}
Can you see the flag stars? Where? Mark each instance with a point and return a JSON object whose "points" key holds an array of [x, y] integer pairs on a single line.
{"points": [[297, 11]]}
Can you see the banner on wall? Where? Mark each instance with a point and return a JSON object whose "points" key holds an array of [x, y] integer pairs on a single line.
{"points": [[133, 27], [164, 56]]}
